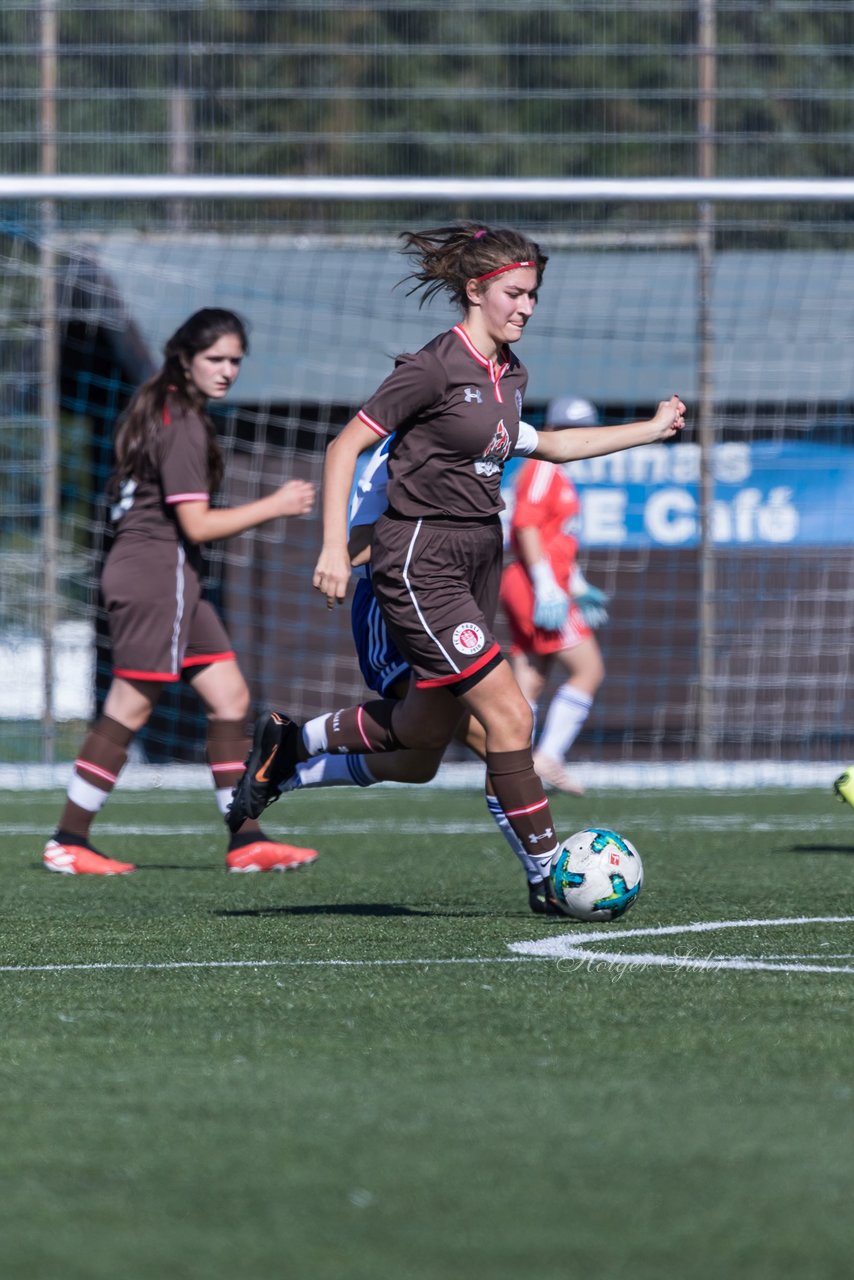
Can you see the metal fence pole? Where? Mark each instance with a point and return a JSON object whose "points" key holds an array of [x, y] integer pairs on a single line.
{"points": [[706, 425], [49, 379]]}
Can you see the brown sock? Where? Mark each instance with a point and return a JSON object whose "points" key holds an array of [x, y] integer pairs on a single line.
{"points": [[520, 794], [227, 747], [363, 729], [96, 771]]}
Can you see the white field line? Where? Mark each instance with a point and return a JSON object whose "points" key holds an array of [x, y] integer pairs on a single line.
{"points": [[575, 948], [155, 966], [572, 947], [732, 776], [432, 826]]}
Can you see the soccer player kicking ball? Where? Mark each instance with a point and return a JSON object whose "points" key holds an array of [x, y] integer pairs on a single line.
{"points": [[387, 673], [454, 408], [162, 630]]}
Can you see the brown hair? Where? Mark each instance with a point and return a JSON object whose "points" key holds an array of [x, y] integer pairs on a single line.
{"points": [[138, 429], [448, 257]]}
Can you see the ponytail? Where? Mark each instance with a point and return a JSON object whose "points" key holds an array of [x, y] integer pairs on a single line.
{"points": [[448, 257]]}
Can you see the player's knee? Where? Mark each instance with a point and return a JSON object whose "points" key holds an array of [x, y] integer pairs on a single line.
{"points": [[520, 721], [424, 766], [433, 738], [233, 705]]}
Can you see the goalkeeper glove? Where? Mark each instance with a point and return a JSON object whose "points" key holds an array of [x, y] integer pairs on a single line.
{"points": [[551, 605], [590, 600]]}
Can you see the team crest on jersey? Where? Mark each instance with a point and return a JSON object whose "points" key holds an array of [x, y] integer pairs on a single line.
{"points": [[468, 638], [495, 454]]}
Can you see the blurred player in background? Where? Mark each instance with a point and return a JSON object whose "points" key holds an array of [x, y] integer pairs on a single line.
{"points": [[551, 608], [162, 629]]}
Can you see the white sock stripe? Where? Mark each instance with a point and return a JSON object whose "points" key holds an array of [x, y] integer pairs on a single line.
{"points": [[86, 795], [228, 766]]}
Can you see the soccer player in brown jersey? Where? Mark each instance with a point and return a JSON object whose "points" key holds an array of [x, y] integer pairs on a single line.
{"points": [[168, 463], [436, 554]]}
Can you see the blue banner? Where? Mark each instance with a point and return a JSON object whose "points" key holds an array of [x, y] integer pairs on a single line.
{"points": [[765, 494]]}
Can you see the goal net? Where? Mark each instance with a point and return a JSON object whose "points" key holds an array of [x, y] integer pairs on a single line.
{"points": [[727, 558]]}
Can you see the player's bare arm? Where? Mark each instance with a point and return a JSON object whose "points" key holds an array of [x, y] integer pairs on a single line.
{"points": [[332, 572], [199, 522], [593, 442]]}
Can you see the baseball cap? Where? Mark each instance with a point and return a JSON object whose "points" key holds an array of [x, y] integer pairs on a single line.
{"points": [[571, 411]]}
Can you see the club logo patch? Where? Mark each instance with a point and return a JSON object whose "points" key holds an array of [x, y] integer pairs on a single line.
{"points": [[496, 453], [468, 638]]}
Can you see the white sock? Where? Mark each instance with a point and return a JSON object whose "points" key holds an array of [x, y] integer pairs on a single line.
{"points": [[314, 736], [224, 797], [85, 795], [331, 771], [543, 863], [567, 713], [533, 872]]}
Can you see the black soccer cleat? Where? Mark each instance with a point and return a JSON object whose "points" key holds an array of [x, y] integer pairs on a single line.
{"points": [[272, 760], [542, 900]]}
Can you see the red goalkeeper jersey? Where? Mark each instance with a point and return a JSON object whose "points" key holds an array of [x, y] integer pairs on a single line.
{"points": [[547, 500]]}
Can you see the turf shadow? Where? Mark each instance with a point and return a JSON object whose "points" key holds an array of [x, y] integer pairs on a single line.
{"points": [[821, 848], [378, 909], [177, 866]]}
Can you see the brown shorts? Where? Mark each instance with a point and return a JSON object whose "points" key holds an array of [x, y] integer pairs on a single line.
{"points": [[159, 624], [437, 583]]}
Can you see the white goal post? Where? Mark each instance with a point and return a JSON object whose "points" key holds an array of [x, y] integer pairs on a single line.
{"points": [[500, 190], [45, 199]]}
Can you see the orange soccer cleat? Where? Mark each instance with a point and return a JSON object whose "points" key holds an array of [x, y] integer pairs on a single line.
{"points": [[268, 855], [79, 860]]}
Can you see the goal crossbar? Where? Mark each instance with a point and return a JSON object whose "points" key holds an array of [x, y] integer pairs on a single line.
{"points": [[568, 190]]}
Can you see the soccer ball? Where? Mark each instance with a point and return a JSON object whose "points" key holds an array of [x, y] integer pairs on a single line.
{"points": [[597, 875]]}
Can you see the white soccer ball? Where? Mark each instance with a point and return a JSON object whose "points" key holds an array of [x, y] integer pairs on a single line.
{"points": [[597, 875]]}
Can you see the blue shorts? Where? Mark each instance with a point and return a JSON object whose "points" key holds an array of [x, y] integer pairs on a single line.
{"points": [[380, 662]]}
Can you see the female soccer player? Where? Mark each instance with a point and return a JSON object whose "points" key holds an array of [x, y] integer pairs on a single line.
{"points": [[387, 673], [551, 607], [454, 408], [168, 463]]}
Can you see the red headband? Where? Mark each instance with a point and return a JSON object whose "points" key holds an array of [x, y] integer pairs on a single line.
{"points": [[511, 266]]}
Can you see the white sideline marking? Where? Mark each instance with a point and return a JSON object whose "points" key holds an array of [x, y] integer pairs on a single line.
{"points": [[257, 964], [575, 946], [566, 946], [726, 776], [463, 827]]}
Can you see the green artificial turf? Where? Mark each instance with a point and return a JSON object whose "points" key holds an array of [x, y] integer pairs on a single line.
{"points": [[346, 1073]]}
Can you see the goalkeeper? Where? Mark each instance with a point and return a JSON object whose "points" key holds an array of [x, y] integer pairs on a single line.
{"points": [[552, 610]]}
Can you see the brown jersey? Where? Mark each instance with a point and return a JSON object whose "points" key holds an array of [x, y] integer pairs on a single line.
{"points": [[160, 625], [455, 417], [145, 508]]}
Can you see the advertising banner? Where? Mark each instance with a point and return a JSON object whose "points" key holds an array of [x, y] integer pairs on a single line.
{"points": [[766, 494]]}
